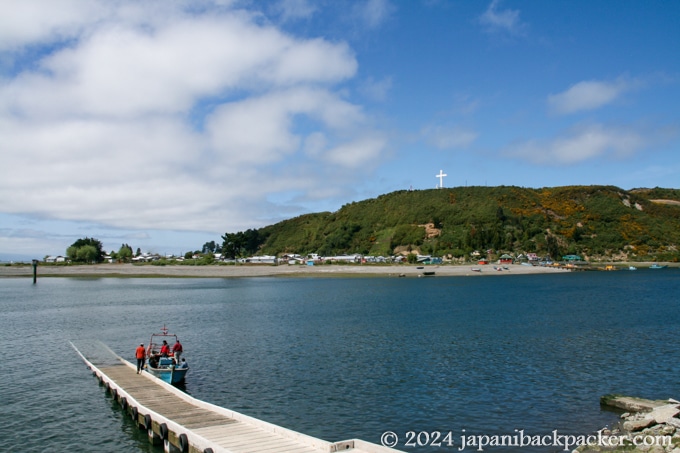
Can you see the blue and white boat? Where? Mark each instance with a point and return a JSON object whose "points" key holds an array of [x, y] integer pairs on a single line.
{"points": [[657, 266], [164, 366]]}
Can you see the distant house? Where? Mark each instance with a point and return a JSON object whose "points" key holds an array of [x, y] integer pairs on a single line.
{"points": [[344, 258], [55, 259], [265, 259], [290, 258], [571, 258], [483, 261], [423, 258], [373, 259], [432, 260], [146, 258], [532, 257], [506, 259]]}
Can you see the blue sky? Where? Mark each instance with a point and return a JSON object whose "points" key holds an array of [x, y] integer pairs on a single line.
{"points": [[166, 124]]}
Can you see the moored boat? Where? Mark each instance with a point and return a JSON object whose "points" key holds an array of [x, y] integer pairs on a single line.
{"points": [[162, 362], [632, 268], [657, 266]]}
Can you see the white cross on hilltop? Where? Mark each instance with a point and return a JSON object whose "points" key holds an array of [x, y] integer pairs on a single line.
{"points": [[441, 178]]}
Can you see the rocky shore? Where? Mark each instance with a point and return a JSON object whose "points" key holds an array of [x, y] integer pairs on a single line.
{"points": [[650, 426]]}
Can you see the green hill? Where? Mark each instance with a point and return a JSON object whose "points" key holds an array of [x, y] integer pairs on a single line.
{"points": [[597, 222]]}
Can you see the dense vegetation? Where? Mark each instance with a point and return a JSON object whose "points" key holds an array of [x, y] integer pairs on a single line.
{"points": [[86, 250], [595, 222]]}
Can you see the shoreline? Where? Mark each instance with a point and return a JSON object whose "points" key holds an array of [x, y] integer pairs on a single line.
{"points": [[127, 270], [264, 270]]}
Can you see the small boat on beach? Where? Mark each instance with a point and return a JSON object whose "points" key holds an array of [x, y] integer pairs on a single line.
{"points": [[657, 266], [475, 269], [162, 363]]}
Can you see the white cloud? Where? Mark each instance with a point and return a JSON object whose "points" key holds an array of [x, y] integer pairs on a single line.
{"points": [[260, 129], [295, 9], [507, 20], [376, 90], [580, 145], [448, 137], [35, 21], [124, 71], [373, 13], [154, 116], [358, 152], [587, 95], [315, 143]]}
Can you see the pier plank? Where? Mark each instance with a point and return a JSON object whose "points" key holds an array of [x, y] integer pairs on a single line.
{"points": [[224, 430]]}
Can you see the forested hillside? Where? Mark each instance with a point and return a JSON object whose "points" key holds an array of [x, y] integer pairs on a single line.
{"points": [[592, 221]]}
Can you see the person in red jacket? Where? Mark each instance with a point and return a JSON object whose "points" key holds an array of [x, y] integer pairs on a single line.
{"points": [[177, 350], [165, 349], [140, 353]]}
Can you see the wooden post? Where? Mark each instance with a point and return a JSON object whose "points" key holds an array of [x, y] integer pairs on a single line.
{"points": [[35, 271]]}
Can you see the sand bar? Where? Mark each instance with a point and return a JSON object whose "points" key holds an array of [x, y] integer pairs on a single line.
{"points": [[266, 270]]}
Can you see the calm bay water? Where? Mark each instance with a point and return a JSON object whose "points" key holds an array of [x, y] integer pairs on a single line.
{"points": [[346, 358]]}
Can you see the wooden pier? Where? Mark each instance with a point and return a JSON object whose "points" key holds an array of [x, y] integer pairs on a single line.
{"points": [[188, 425]]}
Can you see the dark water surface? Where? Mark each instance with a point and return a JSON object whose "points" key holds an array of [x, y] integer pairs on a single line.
{"points": [[346, 358]]}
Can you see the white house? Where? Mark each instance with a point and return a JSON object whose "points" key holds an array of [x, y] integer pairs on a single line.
{"points": [[146, 257], [55, 259], [265, 259], [423, 258], [344, 258], [532, 257]]}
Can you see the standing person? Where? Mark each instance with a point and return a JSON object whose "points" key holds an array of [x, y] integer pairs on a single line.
{"points": [[177, 350], [165, 349], [140, 353]]}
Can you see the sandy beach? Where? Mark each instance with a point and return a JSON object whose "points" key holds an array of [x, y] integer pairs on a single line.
{"points": [[262, 270]]}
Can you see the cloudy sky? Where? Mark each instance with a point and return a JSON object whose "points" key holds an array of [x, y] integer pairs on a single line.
{"points": [[165, 124]]}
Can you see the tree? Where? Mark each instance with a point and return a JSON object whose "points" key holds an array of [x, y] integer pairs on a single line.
{"points": [[209, 247], [72, 252], [233, 245], [500, 214], [87, 250], [252, 241], [553, 247], [87, 254], [207, 258], [125, 253]]}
